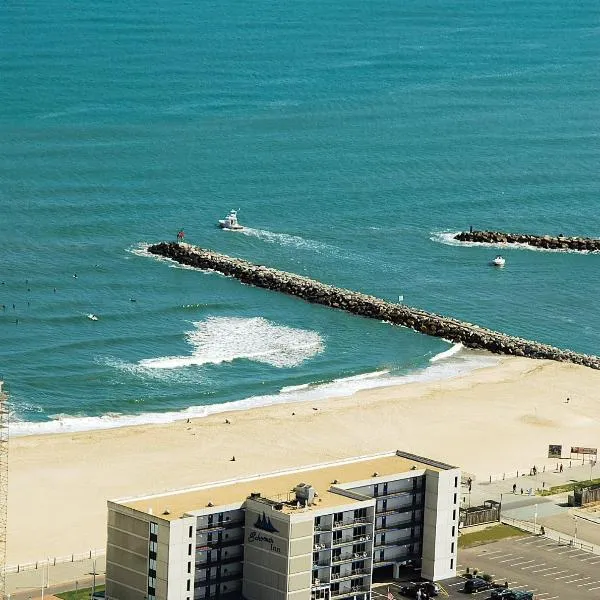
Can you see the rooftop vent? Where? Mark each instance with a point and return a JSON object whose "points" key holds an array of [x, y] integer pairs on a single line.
{"points": [[305, 493], [166, 511], [255, 495], [375, 474], [335, 481], [278, 507], [210, 504]]}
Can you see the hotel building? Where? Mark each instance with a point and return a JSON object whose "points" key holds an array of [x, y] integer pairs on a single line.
{"points": [[320, 532]]}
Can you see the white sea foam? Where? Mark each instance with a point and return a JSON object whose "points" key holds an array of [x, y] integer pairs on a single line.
{"points": [[447, 237], [456, 348], [459, 363], [225, 339]]}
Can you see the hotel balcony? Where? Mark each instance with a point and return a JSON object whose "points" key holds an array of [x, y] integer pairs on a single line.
{"points": [[223, 561], [350, 574], [217, 579], [320, 564], [400, 493], [223, 543], [349, 557], [350, 592], [357, 521], [403, 542], [351, 540], [396, 527], [220, 526], [397, 511]]}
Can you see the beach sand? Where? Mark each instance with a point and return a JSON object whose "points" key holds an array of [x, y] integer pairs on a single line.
{"points": [[491, 420]]}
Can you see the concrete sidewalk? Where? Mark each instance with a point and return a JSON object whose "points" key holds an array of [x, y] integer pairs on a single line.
{"points": [[62, 577]]}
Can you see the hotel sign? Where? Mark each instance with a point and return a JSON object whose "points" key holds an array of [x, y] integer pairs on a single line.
{"points": [[581, 450], [265, 525]]}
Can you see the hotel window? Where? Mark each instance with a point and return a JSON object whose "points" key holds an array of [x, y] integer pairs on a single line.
{"points": [[189, 549], [452, 548], [153, 527], [337, 537], [385, 488], [189, 567], [453, 530], [152, 564], [456, 482], [338, 517], [376, 490], [151, 582], [454, 515], [188, 585], [317, 521], [153, 546], [191, 531], [360, 513], [455, 498], [358, 548], [451, 563]]}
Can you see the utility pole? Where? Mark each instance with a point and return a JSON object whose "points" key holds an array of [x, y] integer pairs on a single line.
{"points": [[3, 487]]}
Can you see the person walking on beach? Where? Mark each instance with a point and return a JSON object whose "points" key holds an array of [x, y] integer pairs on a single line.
{"points": [[514, 488], [560, 469]]}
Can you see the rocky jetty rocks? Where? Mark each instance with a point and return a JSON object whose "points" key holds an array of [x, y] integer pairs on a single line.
{"points": [[467, 334], [561, 242]]}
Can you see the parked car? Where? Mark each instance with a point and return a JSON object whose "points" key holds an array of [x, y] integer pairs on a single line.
{"points": [[506, 594], [410, 589], [476, 584]]}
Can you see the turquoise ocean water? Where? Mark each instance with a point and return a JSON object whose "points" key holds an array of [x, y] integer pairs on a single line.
{"points": [[353, 136]]}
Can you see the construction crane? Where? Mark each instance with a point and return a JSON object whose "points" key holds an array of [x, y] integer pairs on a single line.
{"points": [[3, 487]]}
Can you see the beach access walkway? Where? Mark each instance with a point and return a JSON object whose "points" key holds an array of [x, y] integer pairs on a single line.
{"points": [[528, 511]]}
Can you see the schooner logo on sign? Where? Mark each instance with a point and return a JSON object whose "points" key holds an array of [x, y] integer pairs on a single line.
{"points": [[265, 524]]}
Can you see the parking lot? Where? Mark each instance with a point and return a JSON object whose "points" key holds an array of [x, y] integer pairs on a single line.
{"points": [[531, 563], [538, 564]]}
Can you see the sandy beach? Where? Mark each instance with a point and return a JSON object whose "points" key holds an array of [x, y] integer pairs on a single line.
{"points": [[492, 420]]}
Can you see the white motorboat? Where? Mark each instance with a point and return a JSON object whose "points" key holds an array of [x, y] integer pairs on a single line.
{"points": [[230, 221], [499, 261], [92, 317]]}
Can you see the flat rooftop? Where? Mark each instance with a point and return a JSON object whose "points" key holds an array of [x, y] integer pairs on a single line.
{"points": [[279, 486]]}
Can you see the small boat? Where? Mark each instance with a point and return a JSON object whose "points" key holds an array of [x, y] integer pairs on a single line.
{"points": [[92, 317], [499, 261], [230, 221]]}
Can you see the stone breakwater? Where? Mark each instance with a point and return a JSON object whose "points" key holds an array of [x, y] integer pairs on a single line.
{"points": [[467, 334], [561, 242]]}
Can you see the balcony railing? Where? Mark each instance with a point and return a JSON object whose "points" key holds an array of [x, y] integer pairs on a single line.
{"points": [[351, 540], [396, 526], [410, 492], [402, 542], [350, 574], [221, 525], [349, 591], [320, 563], [356, 521], [321, 546], [349, 557], [223, 561], [397, 511]]}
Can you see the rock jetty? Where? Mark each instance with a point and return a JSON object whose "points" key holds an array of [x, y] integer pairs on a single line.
{"points": [[548, 242], [467, 334]]}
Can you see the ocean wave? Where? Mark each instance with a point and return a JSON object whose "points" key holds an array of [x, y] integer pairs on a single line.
{"points": [[453, 366], [455, 349], [447, 238], [219, 340]]}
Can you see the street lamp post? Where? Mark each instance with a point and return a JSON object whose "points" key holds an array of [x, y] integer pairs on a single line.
{"points": [[575, 518], [534, 518]]}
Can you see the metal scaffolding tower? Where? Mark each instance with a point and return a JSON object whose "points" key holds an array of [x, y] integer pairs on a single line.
{"points": [[3, 488]]}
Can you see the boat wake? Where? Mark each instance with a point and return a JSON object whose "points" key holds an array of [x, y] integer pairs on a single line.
{"points": [[294, 241]]}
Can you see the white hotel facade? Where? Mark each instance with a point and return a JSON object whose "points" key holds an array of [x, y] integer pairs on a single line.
{"points": [[315, 533]]}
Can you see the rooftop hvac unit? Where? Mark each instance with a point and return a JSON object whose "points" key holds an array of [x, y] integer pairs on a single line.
{"points": [[305, 493]]}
